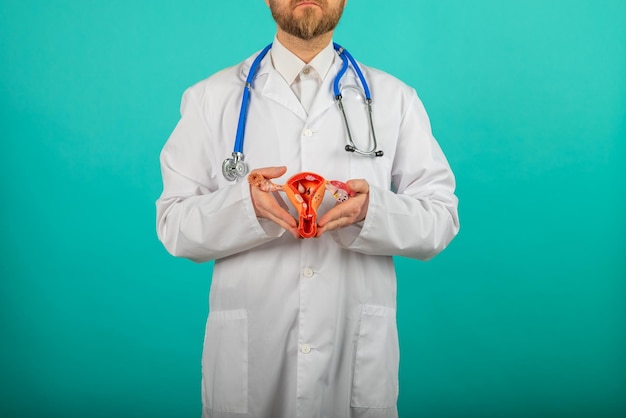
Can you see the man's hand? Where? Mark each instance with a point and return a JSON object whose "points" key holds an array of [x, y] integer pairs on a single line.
{"points": [[349, 212], [266, 206]]}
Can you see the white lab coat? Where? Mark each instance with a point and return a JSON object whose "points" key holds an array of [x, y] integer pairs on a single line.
{"points": [[302, 328]]}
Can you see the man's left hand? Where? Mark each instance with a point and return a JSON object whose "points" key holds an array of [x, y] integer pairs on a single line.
{"points": [[349, 212]]}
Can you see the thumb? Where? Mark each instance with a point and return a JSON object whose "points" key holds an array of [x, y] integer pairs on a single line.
{"points": [[358, 186], [271, 172]]}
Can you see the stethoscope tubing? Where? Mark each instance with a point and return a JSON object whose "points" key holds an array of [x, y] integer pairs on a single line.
{"points": [[245, 101], [343, 53], [235, 167]]}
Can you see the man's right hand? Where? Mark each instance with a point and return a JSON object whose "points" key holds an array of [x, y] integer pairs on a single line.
{"points": [[266, 206]]}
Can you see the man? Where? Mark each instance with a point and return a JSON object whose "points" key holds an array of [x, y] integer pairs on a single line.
{"points": [[303, 327]]}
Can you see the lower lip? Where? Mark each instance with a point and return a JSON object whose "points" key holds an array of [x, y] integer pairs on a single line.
{"points": [[307, 4]]}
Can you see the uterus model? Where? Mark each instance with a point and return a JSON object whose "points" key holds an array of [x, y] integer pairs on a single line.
{"points": [[305, 191]]}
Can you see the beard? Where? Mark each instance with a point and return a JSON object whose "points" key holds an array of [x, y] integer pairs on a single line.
{"points": [[309, 25]]}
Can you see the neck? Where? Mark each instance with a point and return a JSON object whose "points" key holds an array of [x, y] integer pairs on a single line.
{"points": [[305, 50]]}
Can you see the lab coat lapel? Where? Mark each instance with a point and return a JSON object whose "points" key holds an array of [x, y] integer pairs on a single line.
{"points": [[272, 86], [325, 96], [276, 89]]}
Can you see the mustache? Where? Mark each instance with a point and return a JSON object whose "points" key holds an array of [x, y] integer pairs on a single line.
{"points": [[294, 3]]}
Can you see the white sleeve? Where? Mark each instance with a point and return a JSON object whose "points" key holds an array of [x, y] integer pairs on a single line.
{"points": [[197, 219], [417, 218]]}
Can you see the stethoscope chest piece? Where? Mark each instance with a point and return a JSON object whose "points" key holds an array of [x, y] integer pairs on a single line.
{"points": [[234, 167]]}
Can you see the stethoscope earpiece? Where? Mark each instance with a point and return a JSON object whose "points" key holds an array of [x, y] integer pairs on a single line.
{"points": [[352, 148]]}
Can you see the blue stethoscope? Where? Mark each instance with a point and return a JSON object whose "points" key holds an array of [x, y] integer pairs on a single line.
{"points": [[235, 167]]}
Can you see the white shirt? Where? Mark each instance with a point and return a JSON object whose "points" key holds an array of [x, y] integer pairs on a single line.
{"points": [[302, 328], [304, 79]]}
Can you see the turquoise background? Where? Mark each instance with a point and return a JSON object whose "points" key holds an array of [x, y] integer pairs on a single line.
{"points": [[524, 315]]}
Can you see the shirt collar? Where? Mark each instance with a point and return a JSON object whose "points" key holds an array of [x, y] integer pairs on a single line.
{"points": [[289, 65]]}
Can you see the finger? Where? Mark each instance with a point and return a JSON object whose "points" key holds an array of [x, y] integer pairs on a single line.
{"points": [[286, 216], [349, 209], [266, 206], [334, 224], [293, 230], [344, 214], [358, 185], [271, 172], [283, 219], [281, 216], [269, 208], [331, 215]]}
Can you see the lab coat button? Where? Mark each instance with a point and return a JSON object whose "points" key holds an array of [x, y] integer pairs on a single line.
{"points": [[306, 349], [306, 70], [307, 272], [308, 132]]}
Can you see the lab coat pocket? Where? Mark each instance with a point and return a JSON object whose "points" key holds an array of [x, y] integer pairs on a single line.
{"points": [[375, 381], [225, 362]]}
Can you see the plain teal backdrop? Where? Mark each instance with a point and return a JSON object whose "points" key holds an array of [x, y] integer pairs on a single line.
{"points": [[524, 315]]}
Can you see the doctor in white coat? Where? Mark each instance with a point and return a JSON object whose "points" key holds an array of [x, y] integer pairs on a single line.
{"points": [[303, 327]]}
